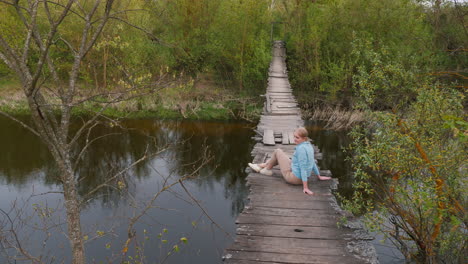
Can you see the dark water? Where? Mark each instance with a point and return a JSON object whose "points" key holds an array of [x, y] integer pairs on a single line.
{"points": [[219, 189], [331, 144], [26, 168]]}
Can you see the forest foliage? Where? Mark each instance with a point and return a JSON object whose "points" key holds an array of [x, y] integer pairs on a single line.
{"points": [[180, 37], [327, 43]]}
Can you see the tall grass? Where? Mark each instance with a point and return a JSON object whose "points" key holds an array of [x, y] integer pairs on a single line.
{"points": [[336, 118]]}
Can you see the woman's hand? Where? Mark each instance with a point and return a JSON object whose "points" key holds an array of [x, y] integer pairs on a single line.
{"points": [[306, 188]]}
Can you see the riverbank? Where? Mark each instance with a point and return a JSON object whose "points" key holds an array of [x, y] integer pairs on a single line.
{"points": [[334, 117], [200, 100]]}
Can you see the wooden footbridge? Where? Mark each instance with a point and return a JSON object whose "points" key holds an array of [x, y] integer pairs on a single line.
{"points": [[281, 224]]}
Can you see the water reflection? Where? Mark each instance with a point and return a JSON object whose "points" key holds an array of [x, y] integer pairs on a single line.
{"points": [[331, 144], [184, 143], [21, 158], [220, 186]]}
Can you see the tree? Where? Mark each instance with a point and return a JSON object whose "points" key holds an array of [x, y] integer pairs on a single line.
{"points": [[46, 50]]}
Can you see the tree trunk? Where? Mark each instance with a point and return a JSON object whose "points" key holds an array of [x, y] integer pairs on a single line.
{"points": [[55, 141], [73, 208]]}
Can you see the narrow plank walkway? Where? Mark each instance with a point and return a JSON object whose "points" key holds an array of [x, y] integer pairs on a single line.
{"points": [[281, 224]]}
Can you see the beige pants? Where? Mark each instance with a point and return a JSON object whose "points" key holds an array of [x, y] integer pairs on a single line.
{"points": [[280, 158]]}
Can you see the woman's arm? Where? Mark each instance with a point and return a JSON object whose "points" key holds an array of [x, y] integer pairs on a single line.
{"points": [[306, 189]]}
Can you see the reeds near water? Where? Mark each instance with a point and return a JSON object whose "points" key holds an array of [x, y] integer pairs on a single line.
{"points": [[336, 118]]}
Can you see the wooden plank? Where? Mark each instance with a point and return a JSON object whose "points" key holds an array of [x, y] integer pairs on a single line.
{"points": [[326, 173], [268, 138], [304, 205], [289, 258], [260, 158], [285, 138], [268, 104], [295, 117], [258, 244], [277, 75], [278, 194], [291, 242], [276, 180], [281, 114], [291, 137], [256, 247], [287, 196], [281, 125], [323, 220], [289, 212], [288, 100], [265, 185], [305, 232]]}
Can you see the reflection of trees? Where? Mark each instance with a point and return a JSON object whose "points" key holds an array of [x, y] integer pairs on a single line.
{"points": [[21, 157], [331, 144], [229, 143]]}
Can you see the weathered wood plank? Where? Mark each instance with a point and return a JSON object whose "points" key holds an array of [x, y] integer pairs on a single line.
{"points": [[254, 247], [305, 232], [308, 205], [277, 181], [289, 258], [288, 196], [285, 138], [268, 104], [288, 211], [268, 138], [322, 220], [291, 137], [291, 242]]}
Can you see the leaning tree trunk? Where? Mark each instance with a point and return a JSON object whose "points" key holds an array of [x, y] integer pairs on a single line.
{"points": [[72, 205]]}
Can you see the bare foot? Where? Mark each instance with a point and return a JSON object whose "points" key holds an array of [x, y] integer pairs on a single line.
{"points": [[262, 165], [324, 178]]}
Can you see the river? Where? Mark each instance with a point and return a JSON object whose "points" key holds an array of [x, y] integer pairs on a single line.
{"points": [[180, 226]]}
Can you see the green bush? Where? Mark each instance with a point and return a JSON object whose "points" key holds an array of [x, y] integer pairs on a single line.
{"points": [[415, 167]]}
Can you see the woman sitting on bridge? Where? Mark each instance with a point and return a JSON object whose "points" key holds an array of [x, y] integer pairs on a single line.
{"points": [[299, 169]]}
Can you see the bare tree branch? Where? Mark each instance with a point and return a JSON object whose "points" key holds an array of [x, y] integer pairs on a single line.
{"points": [[27, 42], [89, 143], [10, 57], [120, 173], [149, 34], [150, 203], [20, 122], [17, 240], [204, 211]]}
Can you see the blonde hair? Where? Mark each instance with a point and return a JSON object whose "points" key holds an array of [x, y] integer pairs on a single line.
{"points": [[302, 132]]}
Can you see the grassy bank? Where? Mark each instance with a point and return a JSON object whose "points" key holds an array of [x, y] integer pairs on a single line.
{"points": [[200, 100], [335, 117]]}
